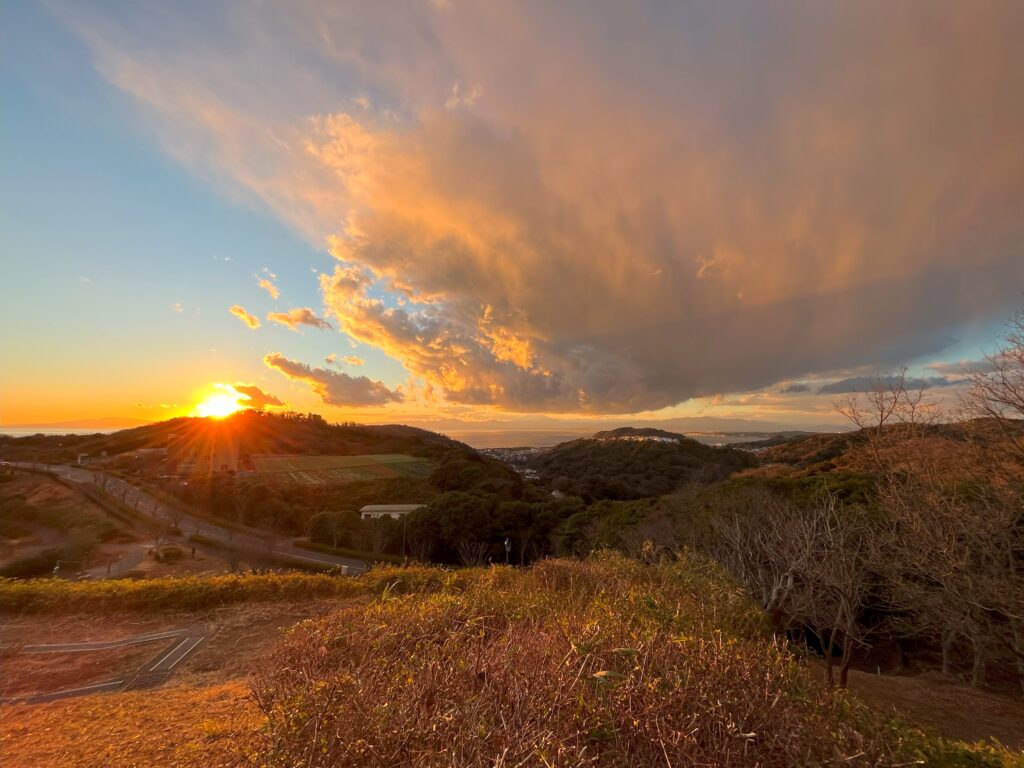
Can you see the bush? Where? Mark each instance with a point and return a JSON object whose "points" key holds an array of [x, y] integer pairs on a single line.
{"points": [[39, 564]]}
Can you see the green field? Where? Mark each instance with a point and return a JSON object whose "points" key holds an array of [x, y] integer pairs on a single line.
{"points": [[321, 470]]}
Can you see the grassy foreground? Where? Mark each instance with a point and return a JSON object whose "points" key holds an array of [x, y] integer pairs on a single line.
{"points": [[604, 662]]}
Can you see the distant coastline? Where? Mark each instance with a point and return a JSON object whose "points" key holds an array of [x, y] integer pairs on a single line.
{"points": [[28, 431]]}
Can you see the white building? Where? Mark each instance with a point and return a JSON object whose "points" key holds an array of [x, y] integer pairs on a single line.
{"points": [[394, 511]]}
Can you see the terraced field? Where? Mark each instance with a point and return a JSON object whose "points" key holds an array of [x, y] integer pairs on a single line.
{"points": [[322, 470]]}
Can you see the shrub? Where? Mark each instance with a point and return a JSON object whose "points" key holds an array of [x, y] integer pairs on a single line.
{"points": [[168, 554]]}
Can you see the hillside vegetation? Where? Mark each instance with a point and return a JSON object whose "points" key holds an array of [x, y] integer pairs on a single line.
{"points": [[618, 468]]}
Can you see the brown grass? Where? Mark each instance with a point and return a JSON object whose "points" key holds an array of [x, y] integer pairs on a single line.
{"points": [[178, 727]]}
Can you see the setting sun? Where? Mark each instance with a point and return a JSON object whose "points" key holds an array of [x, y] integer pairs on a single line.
{"points": [[220, 403]]}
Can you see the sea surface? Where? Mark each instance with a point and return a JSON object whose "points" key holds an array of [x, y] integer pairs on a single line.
{"points": [[26, 431]]}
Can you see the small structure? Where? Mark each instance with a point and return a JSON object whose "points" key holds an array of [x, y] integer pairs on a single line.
{"points": [[394, 511]]}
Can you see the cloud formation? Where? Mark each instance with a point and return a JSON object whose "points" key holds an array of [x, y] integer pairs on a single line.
{"points": [[254, 397], [334, 387], [293, 318], [693, 199], [251, 320]]}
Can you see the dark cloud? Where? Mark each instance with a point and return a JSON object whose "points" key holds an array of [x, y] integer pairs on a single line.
{"points": [[334, 387], [871, 383], [256, 397], [796, 388]]}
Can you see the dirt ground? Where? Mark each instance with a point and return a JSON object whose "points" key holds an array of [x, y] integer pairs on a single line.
{"points": [[197, 718], [241, 633], [23, 674], [954, 710]]}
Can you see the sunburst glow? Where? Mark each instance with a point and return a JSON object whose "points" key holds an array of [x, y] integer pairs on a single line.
{"points": [[223, 401]]}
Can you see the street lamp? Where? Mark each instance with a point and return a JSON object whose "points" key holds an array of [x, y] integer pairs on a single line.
{"points": [[508, 548]]}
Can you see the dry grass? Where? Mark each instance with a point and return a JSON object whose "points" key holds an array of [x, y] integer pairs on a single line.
{"points": [[177, 728], [604, 662]]}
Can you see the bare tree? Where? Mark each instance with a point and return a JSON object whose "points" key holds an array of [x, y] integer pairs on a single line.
{"points": [[997, 392]]}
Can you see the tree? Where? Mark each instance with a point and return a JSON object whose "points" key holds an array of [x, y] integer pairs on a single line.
{"points": [[997, 390]]}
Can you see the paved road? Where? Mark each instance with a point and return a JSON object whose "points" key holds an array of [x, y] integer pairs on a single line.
{"points": [[157, 510]]}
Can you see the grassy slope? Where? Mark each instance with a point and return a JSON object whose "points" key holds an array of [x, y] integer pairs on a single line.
{"points": [[603, 660]]}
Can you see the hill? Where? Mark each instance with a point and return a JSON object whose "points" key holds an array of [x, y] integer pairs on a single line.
{"points": [[949, 444], [256, 431], [629, 463], [636, 433], [291, 467]]}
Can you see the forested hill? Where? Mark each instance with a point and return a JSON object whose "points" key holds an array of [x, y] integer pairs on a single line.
{"points": [[628, 433], [634, 466], [257, 432]]}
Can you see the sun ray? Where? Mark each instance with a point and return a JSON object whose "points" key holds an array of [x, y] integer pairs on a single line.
{"points": [[223, 401]]}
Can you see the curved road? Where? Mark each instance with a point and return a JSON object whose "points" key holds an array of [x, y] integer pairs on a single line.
{"points": [[160, 512]]}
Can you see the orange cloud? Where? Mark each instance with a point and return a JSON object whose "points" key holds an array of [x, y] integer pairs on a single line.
{"points": [[268, 285], [250, 320], [293, 318], [333, 387]]}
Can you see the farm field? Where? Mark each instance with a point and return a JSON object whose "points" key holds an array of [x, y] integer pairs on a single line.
{"points": [[325, 470]]}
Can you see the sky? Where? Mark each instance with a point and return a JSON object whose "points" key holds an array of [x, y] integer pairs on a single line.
{"points": [[503, 213]]}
